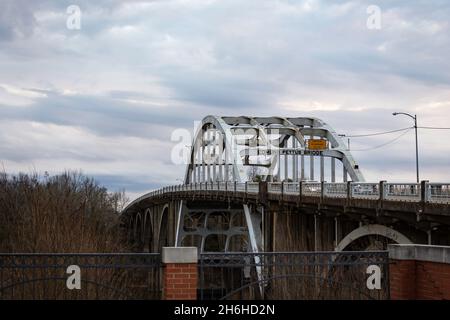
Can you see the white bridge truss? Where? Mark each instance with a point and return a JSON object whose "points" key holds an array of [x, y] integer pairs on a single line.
{"points": [[268, 148], [247, 149]]}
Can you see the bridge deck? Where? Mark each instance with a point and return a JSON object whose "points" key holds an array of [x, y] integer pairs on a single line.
{"points": [[414, 202]]}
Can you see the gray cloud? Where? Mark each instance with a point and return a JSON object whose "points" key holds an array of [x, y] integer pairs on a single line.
{"points": [[16, 19], [115, 90]]}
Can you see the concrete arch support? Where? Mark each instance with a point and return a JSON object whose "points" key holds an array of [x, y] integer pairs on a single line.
{"points": [[372, 229]]}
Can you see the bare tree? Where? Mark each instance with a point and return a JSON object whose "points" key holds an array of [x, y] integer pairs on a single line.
{"points": [[64, 213]]}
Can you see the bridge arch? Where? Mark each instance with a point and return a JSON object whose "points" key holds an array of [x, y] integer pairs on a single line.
{"points": [[130, 233], [163, 231], [372, 229], [138, 229], [148, 230]]}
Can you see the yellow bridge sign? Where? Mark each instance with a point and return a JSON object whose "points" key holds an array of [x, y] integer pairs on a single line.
{"points": [[317, 144]]}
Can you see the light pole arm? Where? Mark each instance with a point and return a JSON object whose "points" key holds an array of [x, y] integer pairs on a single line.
{"points": [[406, 114]]}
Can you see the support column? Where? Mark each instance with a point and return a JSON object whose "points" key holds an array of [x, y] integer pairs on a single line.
{"points": [[333, 169], [208, 148], [220, 162], [315, 233], [286, 164], [194, 165], [279, 163], [180, 273], [216, 165], [226, 175], [337, 235], [302, 167], [294, 161], [322, 168], [203, 167], [419, 271]]}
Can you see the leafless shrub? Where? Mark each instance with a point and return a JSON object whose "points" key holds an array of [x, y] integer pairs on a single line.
{"points": [[64, 213]]}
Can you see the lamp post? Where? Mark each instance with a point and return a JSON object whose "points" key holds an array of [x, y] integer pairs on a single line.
{"points": [[417, 143], [348, 140]]}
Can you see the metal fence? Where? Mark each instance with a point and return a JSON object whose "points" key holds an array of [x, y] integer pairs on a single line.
{"points": [[100, 276], [292, 275]]}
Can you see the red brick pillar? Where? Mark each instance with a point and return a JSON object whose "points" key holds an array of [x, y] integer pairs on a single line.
{"points": [[419, 271], [180, 273], [402, 279]]}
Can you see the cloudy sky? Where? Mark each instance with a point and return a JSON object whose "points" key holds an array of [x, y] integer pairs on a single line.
{"points": [[105, 98]]}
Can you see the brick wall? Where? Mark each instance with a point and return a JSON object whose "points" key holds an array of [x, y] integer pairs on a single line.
{"points": [[402, 278], [180, 281], [419, 272], [180, 273], [432, 280]]}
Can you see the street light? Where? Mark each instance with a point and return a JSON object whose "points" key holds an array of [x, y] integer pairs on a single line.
{"points": [[417, 143], [348, 140]]}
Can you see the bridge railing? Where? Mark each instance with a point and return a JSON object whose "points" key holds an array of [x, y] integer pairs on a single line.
{"points": [[313, 189], [402, 191], [335, 190], [240, 187], [291, 188], [438, 192], [364, 190], [408, 192], [274, 187], [253, 187]]}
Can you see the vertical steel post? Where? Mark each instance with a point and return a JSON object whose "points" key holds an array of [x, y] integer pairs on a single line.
{"points": [[333, 169], [302, 166], [294, 161], [322, 168], [286, 165]]}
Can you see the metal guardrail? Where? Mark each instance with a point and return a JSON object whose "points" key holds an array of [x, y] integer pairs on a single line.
{"points": [[291, 275], [408, 192]]}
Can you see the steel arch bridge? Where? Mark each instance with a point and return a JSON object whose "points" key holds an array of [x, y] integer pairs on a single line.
{"points": [[269, 183], [227, 148]]}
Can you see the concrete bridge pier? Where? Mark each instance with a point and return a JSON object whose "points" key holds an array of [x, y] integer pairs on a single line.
{"points": [[153, 227]]}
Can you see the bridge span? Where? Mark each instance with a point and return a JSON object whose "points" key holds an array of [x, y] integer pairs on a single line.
{"points": [[250, 186]]}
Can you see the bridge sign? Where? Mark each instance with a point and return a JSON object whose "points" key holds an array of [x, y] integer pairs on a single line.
{"points": [[283, 151], [291, 152], [317, 144]]}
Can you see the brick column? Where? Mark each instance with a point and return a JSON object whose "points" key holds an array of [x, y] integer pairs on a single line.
{"points": [[180, 273], [419, 271], [402, 279]]}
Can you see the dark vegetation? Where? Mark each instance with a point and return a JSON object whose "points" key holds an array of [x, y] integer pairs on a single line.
{"points": [[65, 213]]}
